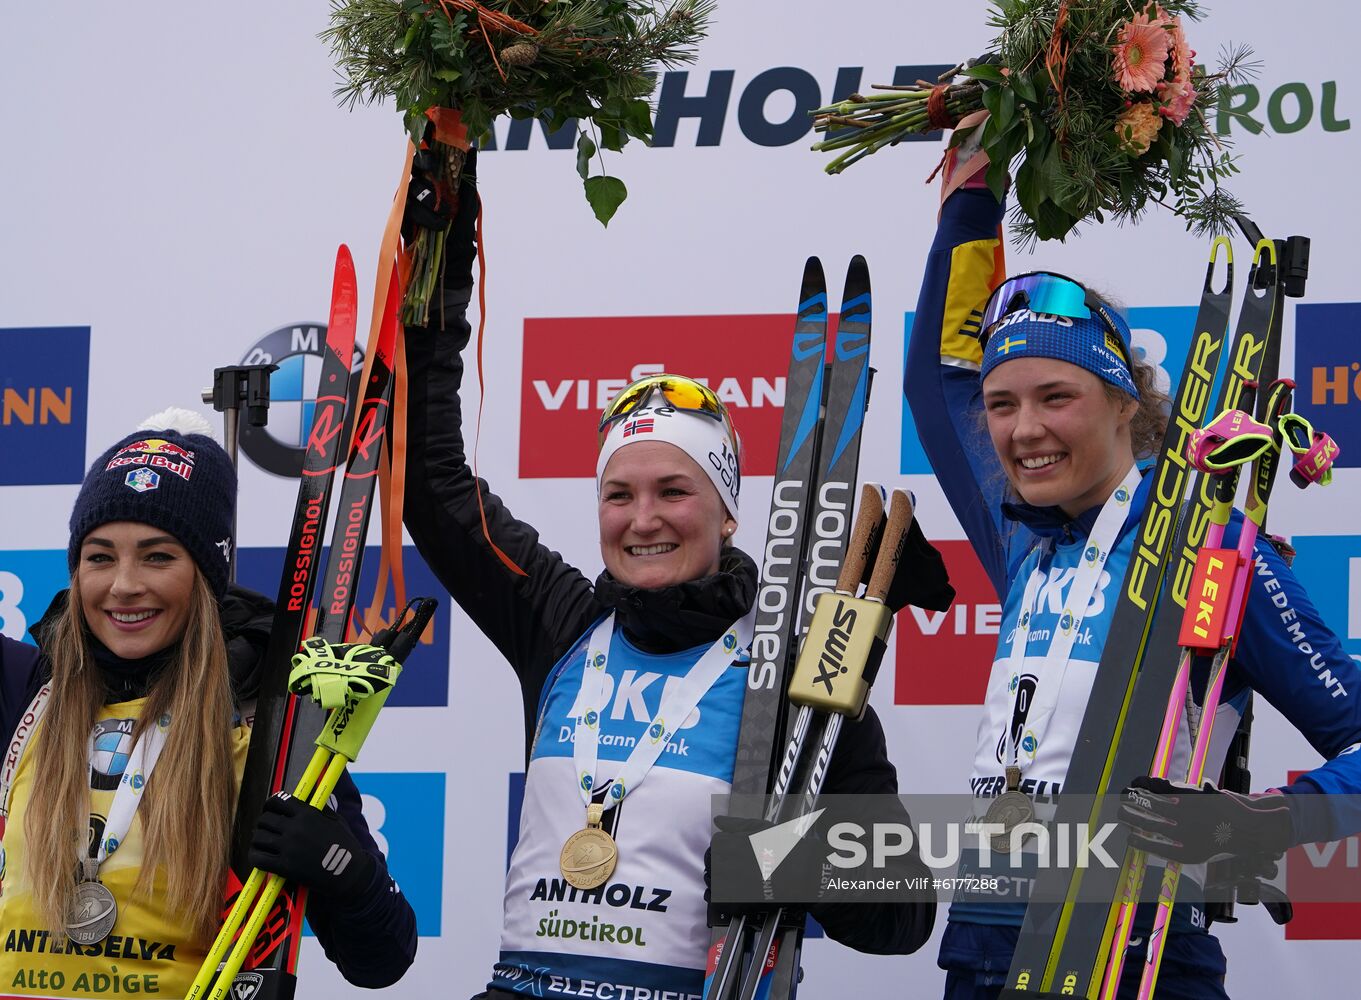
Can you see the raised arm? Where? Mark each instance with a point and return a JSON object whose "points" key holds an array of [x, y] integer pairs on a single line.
{"points": [[943, 359], [532, 618]]}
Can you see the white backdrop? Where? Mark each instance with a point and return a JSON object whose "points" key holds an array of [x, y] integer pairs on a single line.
{"points": [[176, 178]]}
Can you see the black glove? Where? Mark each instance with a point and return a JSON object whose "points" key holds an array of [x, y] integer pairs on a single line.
{"points": [[431, 205], [791, 883], [312, 847], [1184, 823], [921, 579]]}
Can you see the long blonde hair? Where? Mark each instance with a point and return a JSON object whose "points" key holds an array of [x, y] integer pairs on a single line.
{"points": [[186, 810]]}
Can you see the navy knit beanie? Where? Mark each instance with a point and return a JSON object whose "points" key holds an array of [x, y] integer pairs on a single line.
{"points": [[180, 482]]}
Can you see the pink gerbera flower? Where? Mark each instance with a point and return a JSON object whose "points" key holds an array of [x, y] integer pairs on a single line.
{"points": [[1141, 54], [1180, 50], [1176, 100]]}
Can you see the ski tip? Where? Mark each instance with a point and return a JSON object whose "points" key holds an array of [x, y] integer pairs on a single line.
{"points": [[344, 261], [812, 270], [857, 281]]}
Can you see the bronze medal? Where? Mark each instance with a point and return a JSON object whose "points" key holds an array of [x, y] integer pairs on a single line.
{"points": [[1010, 810], [93, 913], [589, 856]]}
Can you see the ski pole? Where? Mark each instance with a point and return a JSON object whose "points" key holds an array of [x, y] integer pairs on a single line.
{"points": [[1315, 450], [1221, 450], [833, 675], [865, 533], [354, 688]]}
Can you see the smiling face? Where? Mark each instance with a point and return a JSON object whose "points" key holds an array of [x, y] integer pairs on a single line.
{"points": [[661, 520], [1062, 440], [136, 584]]}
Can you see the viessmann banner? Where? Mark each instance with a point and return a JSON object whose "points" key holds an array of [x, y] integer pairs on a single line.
{"points": [[190, 222]]}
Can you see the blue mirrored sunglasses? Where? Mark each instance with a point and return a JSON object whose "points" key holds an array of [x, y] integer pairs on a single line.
{"points": [[1044, 292]]}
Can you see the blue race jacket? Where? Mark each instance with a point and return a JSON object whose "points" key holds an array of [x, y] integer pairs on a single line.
{"points": [[1286, 652]]}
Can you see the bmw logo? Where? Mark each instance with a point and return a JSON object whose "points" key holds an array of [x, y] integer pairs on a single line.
{"points": [[297, 349]]}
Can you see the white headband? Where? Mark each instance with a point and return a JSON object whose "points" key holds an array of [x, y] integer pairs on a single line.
{"points": [[700, 436]]}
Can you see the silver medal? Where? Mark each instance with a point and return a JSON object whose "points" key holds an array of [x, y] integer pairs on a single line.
{"points": [[1010, 809], [92, 915]]}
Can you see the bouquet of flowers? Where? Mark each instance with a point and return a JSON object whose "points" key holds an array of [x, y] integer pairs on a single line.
{"points": [[1102, 101], [453, 66]]}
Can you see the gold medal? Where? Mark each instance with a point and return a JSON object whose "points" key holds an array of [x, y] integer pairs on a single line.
{"points": [[1010, 810], [589, 856]]}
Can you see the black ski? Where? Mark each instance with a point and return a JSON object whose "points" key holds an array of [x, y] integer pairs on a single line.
{"points": [[827, 513], [325, 445], [274, 958], [1255, 355], [786, 534], [1047, 922]]}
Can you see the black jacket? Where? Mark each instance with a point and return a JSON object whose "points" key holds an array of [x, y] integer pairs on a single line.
{"points": [[372, 940], [534, 619]]}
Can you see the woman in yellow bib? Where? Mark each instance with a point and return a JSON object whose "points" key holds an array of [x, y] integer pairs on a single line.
{"points": [[125, 744]]}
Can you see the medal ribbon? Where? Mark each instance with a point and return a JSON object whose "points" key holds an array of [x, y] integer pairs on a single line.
{"points": [[145, 753], [1114, 514], [676, 706], [28, 725]]}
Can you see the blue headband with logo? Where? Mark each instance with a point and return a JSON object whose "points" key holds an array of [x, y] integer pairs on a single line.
{"points": [[1049, 316]]}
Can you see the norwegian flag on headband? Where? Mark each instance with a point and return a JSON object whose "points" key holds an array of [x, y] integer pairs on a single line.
{"points": [[643, 425]]}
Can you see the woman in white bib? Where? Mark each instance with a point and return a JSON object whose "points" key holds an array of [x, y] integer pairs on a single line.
{"points": [[631, 703]]}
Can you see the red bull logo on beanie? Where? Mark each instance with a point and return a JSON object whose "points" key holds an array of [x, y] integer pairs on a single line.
{"points": [[156, 453], [159, 446]]}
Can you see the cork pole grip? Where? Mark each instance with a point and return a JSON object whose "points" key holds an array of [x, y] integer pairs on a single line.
{"points": [[891, 547], [868, 523]]}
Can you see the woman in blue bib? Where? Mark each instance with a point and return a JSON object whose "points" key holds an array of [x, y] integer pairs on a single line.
{"points": [[1035, 411], [126, 739], [631, 710]]}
